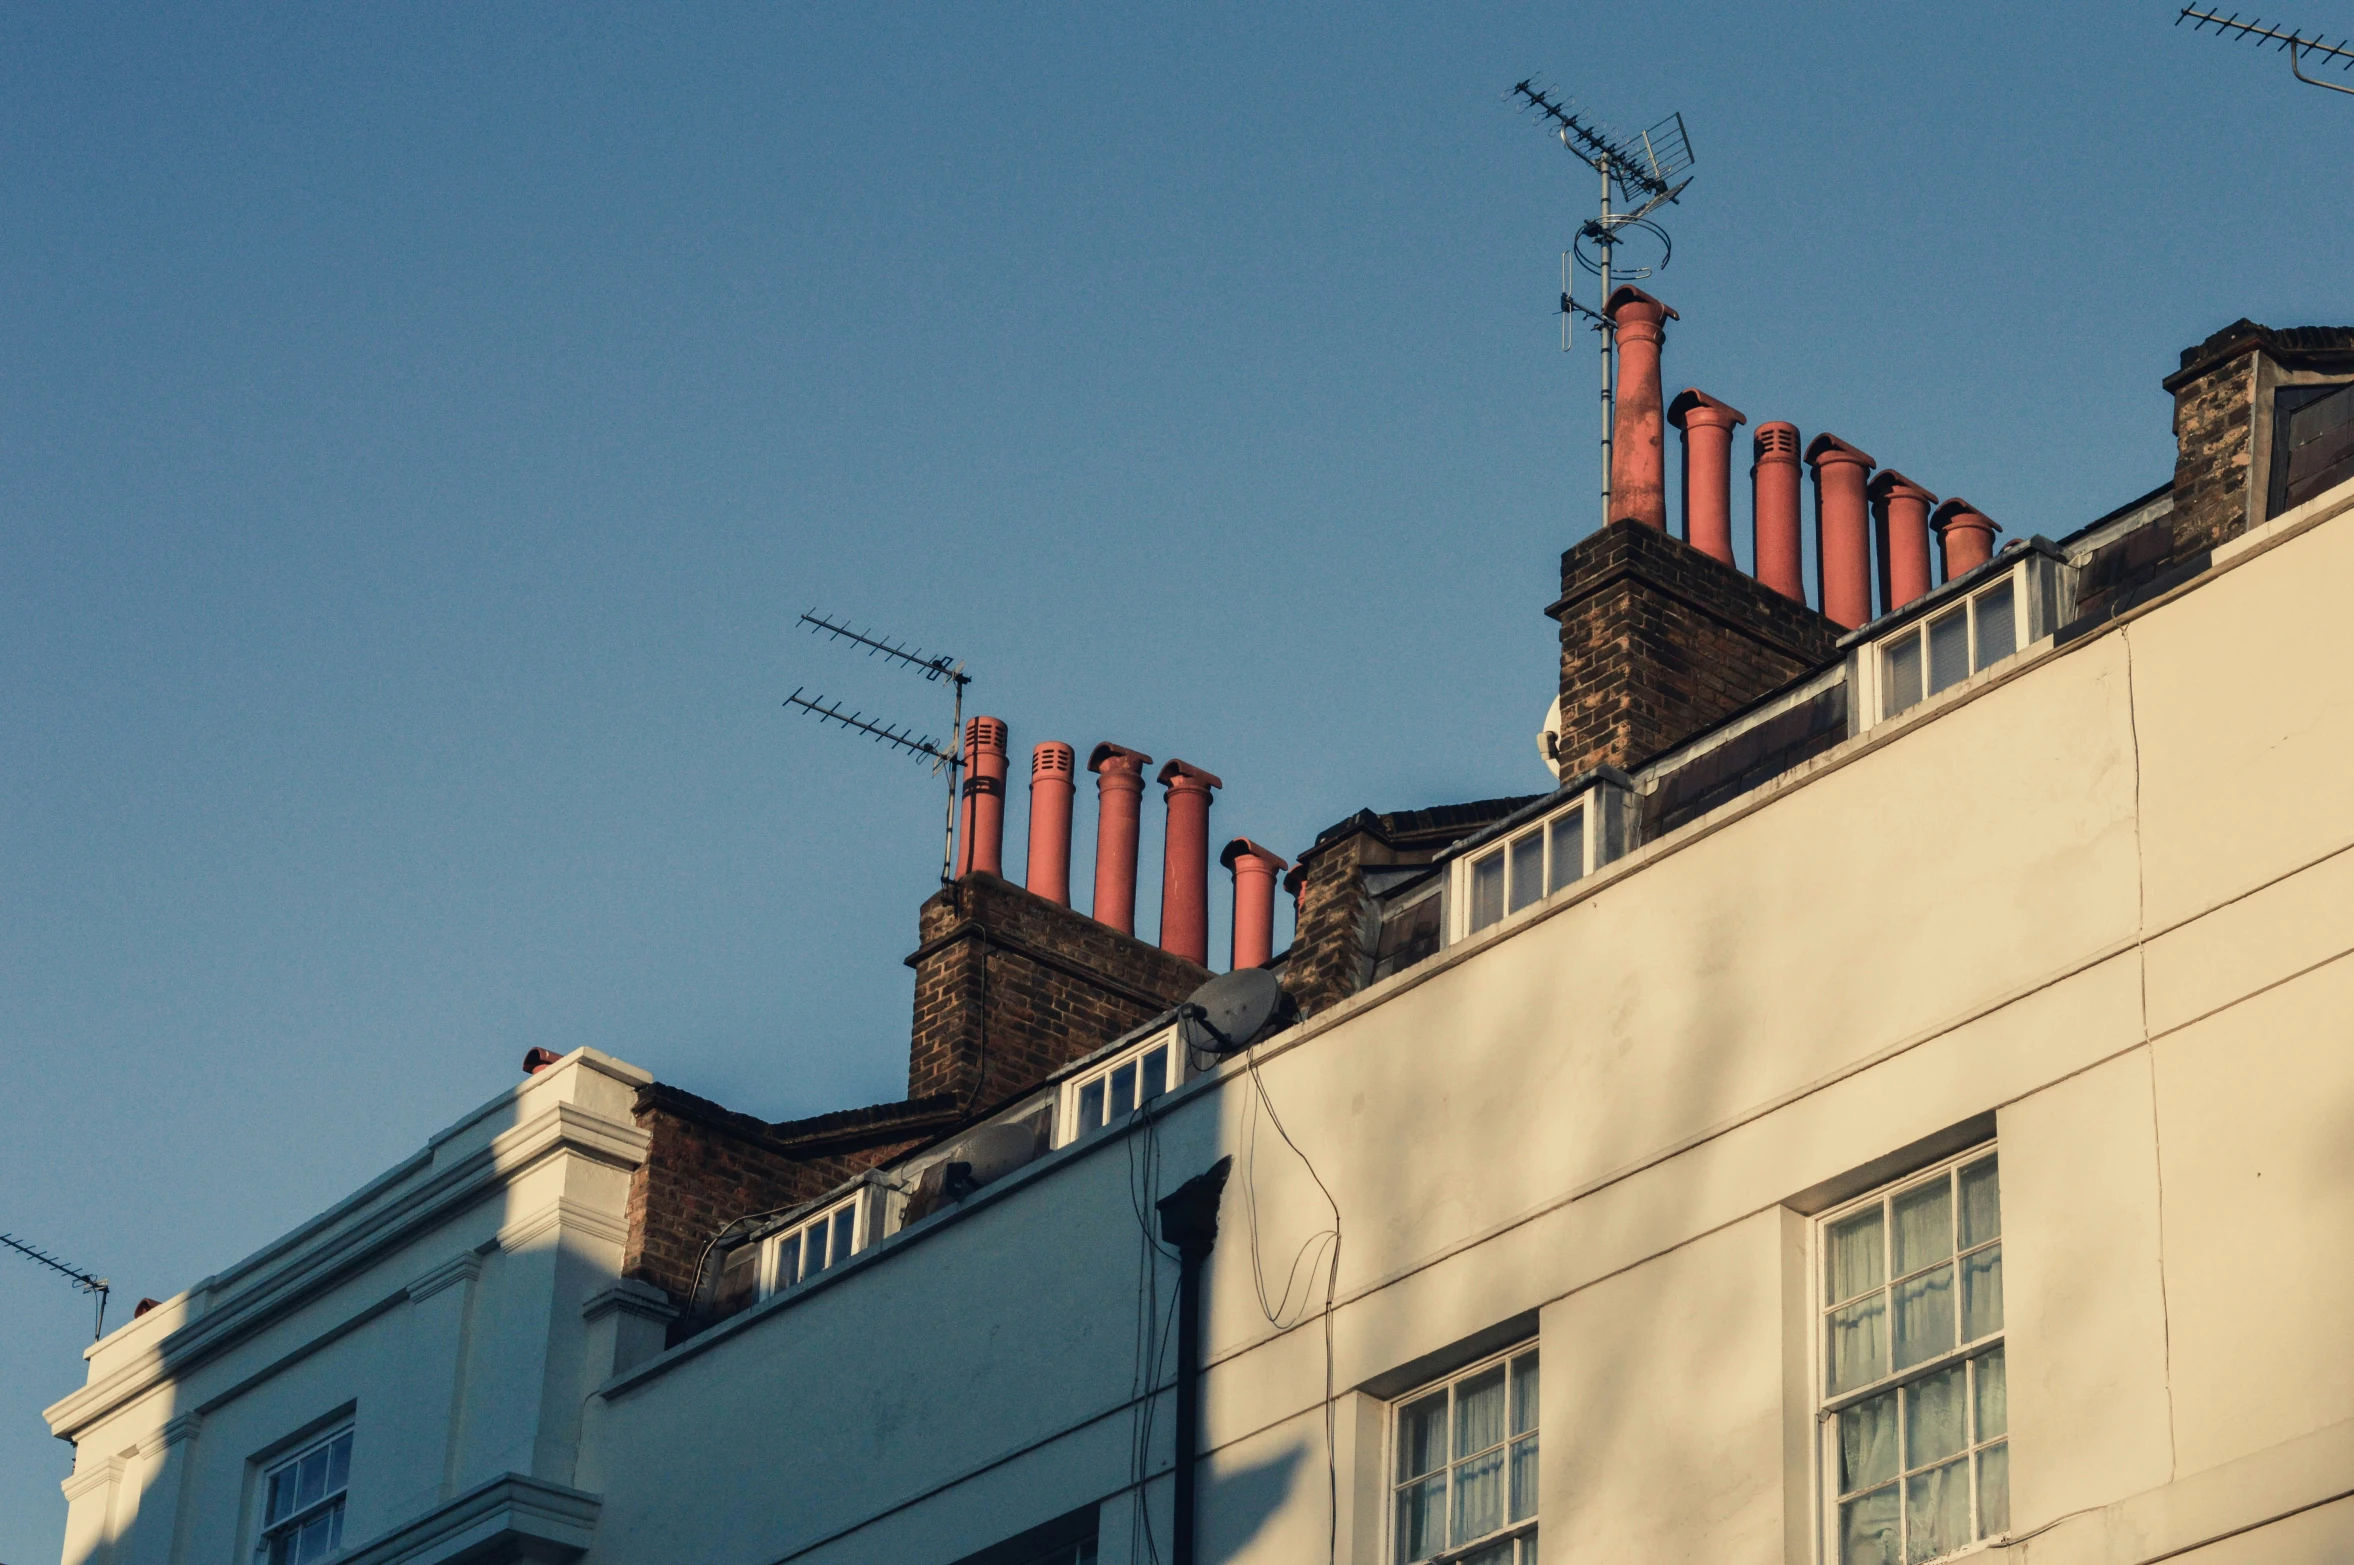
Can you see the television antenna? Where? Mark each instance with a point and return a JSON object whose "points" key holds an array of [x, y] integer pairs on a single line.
{"points": [[2295, 43], [940, 668], [83, 1282], [1647, 170]]}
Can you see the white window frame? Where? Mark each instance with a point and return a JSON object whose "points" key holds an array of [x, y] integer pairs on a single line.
{"points": [[1460, 894], [1829, 1405], [773, 1278], [329, 1504], [1098, 1078], [1517, 1536]]}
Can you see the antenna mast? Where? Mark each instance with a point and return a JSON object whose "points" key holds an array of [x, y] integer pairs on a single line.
{"points": [[1647, 170], [83, 1282], [2296, 44], [949, 759]]}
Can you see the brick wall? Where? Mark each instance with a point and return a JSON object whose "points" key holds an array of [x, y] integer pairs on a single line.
{"points": [[2218, 394], [1331, 955], [1011, 987], [1659, 641], [706, 1166]]}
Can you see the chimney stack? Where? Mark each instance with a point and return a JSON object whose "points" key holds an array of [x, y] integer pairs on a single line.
{"points": [[1119, 802], [1185, 862], [1256, 870], [1843, 540], [1900, 528], [1051, 786], [1965, 534], [1773, 511], [1638, 454], [1708, 469], [984, 798]]}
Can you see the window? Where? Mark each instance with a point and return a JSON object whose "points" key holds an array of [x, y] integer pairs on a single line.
{"points": [[1464, 1478], [1942, 650], [302, 1503], [1121, 1086], [824, 1239], [2312, 443], [1527, 867], [1914, 1407]]}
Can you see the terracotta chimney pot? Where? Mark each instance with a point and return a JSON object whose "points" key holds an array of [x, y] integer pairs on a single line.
{"points": [[1119, 793], [1773, 511], [1638, 453], [1708, 469], [1185, 862], [1843, 540], [1965, 536], [1900, 533], [1256, 870], [1051, 787], [984, 798]]}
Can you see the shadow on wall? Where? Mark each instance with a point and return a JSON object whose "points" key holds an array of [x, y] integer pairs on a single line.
{"points": [[1237, 1505]]}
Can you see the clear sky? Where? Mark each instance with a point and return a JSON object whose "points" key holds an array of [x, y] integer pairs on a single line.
{"points": [[419, 428]]}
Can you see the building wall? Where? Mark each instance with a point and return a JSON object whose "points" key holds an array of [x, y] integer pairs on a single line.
{"points": [[2096, 900]]}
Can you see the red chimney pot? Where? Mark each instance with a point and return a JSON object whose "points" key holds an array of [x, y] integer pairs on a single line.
{"points": [[1185, 862], [1773, 511], [1965, 535], [1119, 796], [984, 797], [1051, 787], [1638, 454], [1900, 532], [1708, 469], [1843, 540], [1256, 870]]}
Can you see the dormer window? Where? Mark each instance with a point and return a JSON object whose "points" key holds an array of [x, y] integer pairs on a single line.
{"points": [[1527, 866], [1939, 650], [1117, 1088]]}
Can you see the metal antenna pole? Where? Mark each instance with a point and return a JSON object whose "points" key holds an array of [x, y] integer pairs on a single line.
{"points": [[1608, 329], [1649, 170], [81, 1280]]}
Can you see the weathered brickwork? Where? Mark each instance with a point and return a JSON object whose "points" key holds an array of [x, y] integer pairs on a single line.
{"points": [[1659, 641], [2219, 394], [1011, 987], [706, 1166], [1332, 945]]}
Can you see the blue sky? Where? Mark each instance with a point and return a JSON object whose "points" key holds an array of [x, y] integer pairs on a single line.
{"points": [[419, 428]]}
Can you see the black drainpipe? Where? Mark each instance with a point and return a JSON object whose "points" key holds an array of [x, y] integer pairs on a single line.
{"points": [[1189, 1220]]}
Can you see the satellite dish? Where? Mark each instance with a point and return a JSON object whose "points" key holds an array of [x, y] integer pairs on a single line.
{"points": [[1549, 740], [995, 1151], [1228, 1013]]}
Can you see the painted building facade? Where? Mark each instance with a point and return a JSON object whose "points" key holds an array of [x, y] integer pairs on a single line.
{"points": [[1894, 1099]]}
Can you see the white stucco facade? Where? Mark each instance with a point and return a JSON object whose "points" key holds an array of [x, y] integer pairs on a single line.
{"points": [[2093, 910]]}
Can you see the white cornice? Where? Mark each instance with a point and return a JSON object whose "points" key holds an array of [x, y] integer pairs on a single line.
{"points": [[563, 1129], [455, 1270], [563, 1213], [98, 1477], [510, 1517]]}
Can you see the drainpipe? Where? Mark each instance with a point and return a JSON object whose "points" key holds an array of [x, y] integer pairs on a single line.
{"points": [[1773, 511], [1049, 874], [1900, 527], [984, 797], [1843, 539], [1119, 801], [1185, 862], [1256, 870], [1708, 469], [1638, 454], [1189, 1221], [1965, 535]]}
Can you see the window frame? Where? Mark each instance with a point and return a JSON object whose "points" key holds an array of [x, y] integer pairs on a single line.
{"points": [[2273, 500], [1829, 1405], [772, 1246], [1916, 631], [332, 1502], [1462, 895], [1069, 1097], [1393, 1414]]}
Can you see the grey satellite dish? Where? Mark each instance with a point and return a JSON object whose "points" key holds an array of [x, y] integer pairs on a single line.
{"points": [[995, 1151], [1228, 1013]]}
